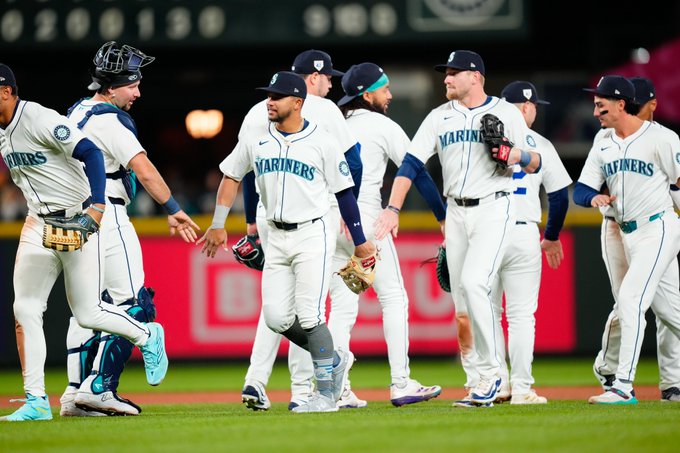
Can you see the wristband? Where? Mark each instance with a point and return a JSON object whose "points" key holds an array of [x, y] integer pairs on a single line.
{"points": [[220, 216], [394, 209], [96, 208], [525, 159], [171, 206]]}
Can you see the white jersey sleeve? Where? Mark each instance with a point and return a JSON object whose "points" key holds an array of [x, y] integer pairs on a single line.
{"points": [[553, 176], [326, 114], [238, 162], [381, 140]]}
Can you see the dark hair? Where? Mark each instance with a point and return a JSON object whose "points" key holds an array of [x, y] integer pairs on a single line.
{"points": [[631, 106], [358, 103]]}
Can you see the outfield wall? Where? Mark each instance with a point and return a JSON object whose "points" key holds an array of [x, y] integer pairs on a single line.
{"points": [[210, 307]]}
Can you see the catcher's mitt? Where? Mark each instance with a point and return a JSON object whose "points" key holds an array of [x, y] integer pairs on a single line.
{"points": [[493, 136], [248, 251], [359, 273], [68, 235], [442, 269]]}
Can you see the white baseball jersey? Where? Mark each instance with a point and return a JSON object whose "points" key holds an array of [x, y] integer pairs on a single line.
{"points": [[552, 176], [634, 168], [452, 131], [118, 143], [381, 140], [37, 147], [293, 173]]}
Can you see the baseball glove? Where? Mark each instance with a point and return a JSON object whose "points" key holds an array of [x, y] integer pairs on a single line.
{"points": [[248, 251], [68, 235], [359, 273], [442, 268], [497, 144]]}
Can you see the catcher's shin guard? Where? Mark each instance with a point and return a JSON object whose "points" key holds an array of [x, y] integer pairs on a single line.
{"points": [[116, 350], [82, 345]]}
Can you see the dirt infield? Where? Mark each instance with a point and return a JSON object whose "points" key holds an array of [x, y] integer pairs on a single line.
{"points": [[280, 396]]}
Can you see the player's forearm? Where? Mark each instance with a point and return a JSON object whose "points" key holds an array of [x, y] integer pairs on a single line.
{"points": [[530, 161], [226, 194], [400, 188], [154, 184]]}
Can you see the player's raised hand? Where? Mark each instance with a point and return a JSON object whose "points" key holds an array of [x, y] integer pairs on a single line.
{"points": [[181, 223], [387, 223], [212, 240], [553, 252]]}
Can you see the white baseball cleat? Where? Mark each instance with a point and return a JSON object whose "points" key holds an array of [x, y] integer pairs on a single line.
{"points": [[69, 408], [316, 403], [348, 400], [412, 392], [341, 372], [503, 393], [614, 396], [109, 403], [254, 397], [528, 398], [485, 391]]}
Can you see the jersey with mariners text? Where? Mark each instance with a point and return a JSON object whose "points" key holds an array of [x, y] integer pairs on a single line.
{"points": [[37, 147], [293, 173]]}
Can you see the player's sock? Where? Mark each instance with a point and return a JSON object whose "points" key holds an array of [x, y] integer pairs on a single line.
{"points": [[321, 350]]}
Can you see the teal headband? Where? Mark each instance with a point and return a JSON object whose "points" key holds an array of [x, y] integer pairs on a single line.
{"points": [[381, 82]]}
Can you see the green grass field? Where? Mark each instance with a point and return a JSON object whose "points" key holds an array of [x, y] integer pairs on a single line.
{"points": [[432, 426]]}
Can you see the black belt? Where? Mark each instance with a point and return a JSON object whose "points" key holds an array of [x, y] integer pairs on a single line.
{"points": [[118, 201], [467, 202], [610, 218], [62, 212], [290, 226], [519, 222]]}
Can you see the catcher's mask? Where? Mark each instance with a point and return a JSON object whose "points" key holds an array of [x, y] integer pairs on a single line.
{"points": [[117, 65]]}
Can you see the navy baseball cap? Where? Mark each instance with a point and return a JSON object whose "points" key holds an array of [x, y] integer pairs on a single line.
{"points": [[644, 90], [463, 60], [7, 76], [614, 86], [362, 78], [288, 84], [521, 91], [311, 61]]}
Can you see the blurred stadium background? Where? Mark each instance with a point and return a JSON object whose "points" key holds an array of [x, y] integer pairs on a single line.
{"points": [[212, 54]]}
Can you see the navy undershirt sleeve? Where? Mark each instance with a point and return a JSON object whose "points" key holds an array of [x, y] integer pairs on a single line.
{"points": [[88, 153], [428, 189], [410, 167], [584, 194], [558, 203], [350, 214], [250, 197], [356, 167]]}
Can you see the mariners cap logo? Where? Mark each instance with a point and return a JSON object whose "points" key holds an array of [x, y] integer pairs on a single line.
{"points": [[2, 79], [318, 65], [451, 57], [62, 132], [273, 81]]}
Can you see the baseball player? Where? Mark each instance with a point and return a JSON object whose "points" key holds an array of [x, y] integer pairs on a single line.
{"points": [[365, 104], [61, 174], [519, 276], [104, 119], [296, 164], [316, 68], [480, 211], [637, 161], [613, 254]]}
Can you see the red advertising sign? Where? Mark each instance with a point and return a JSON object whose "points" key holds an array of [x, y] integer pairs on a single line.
{"points": [[210, 307]]}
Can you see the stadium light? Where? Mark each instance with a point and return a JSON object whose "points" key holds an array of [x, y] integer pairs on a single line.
{"points": [[204, 123]]}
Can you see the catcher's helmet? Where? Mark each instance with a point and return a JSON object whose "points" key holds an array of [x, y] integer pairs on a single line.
{"points": [[117, 65]]}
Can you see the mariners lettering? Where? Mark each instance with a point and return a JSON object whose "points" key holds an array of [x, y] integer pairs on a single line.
{"points": [[25, 159], [285, 165], [462, 135], [628, 165]]}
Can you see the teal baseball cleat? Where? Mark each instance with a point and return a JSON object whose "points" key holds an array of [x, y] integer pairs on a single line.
{"points": [[34, 408], [155, 357]]}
